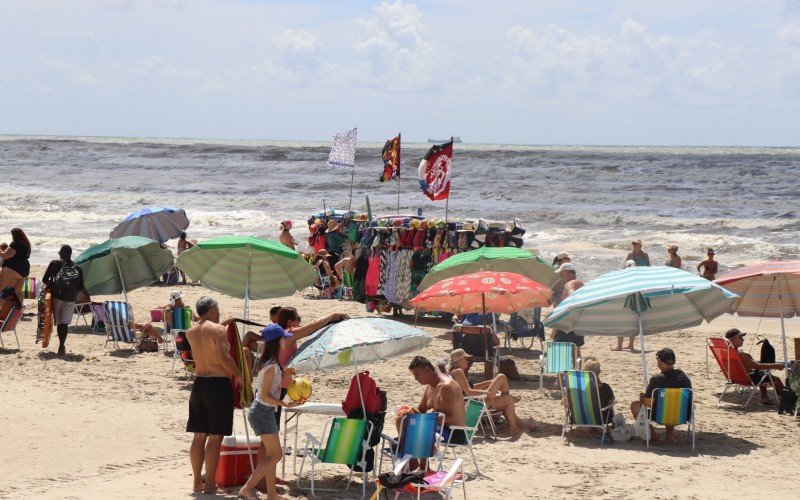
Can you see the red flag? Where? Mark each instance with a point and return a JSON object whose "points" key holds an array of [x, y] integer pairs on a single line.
{"points": [[434, 171], [391, 159]]}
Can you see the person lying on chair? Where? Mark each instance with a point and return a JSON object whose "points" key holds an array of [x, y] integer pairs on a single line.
{"points": [[756, 370]]}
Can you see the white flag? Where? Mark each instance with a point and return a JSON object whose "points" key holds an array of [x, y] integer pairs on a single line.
{"points": [[343, 152]]}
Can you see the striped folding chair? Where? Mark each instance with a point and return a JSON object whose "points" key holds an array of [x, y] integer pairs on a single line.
{"points": [[9, 324], [583, 408], [672, 407], [556, 358], [181, 319], [417, 439], [119, 319], [347, 444]]}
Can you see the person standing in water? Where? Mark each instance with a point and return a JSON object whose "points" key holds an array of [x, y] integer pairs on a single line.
{"points": [[673, 259], [286, 237], [709, 266], [637, 255]]}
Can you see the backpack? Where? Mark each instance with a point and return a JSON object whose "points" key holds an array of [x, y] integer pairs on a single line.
{"points": [[767, 351], [67, 282], [372, 397]]}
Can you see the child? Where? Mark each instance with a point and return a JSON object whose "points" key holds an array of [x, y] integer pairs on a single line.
{"points": [[262, 413]]}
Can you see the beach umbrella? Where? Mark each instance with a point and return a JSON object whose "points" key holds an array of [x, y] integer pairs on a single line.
{"points": [[357, 340], [157, 223], [766, 290], [502, 259], [641, 301], [247, 267], [486, 291], [119, 265]]}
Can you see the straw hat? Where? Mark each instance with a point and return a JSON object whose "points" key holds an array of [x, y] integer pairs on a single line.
{"points": [[332, 225], [458, 354]]}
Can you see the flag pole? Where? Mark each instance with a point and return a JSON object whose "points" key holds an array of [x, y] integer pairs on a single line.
{"points": [[447, 200], [399, 142]]}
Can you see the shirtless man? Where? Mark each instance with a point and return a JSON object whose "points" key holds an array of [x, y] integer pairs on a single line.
{"points": [[709, 266], [754, 369], [211, 401], [442, 394], [569, 277]]}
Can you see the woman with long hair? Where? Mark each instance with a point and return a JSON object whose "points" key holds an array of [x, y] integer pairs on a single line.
{"points": [[262, 414], [15, 261]]}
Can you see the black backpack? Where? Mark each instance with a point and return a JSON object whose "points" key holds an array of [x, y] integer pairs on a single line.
{"points": [[767, 351], [67, 282]]}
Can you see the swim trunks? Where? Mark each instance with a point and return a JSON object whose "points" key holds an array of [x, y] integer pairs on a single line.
{"points": [[454, 436], [211, 406]]}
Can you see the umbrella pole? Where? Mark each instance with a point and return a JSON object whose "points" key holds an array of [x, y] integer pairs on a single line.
{"points": [[783, 325], [360, 391], [247, 436], [644, 354], [121, 279], [485, 337], [247, 284]]}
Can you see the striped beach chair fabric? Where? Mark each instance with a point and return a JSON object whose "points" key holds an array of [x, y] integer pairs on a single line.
{"points": [[417, 438], [557, 357], [181, 319], [583, 407], [119, 316], [673, 407], [9, 324], [734, 371], [30, 288], [347, 444]]}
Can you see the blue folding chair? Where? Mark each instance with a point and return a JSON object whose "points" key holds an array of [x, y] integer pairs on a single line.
{"points": [[119, 322], [417, 439]]}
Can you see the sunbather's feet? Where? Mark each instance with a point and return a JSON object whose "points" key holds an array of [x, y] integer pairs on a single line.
{"points": [[248, 494], [210, 489]]}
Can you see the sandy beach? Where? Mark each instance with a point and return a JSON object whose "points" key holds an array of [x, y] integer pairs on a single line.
{"points": [[94, 425]]}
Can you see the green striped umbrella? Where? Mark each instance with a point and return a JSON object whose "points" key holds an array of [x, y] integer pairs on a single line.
{"points": [[123, 264], [505, 259], [643, 301], [247, 267]]}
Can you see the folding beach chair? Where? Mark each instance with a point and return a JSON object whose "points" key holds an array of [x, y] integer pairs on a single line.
{"points": [[347, 437], [558, 357], [583, 408], [180, 319], [735, 373], [474, 410], [434, 482], [417, 439], [30, 290], [119, 319], [98, 316], [488, 416], [9, 324], [80, 310], [672, 407], [478, 342], [525, 326]]}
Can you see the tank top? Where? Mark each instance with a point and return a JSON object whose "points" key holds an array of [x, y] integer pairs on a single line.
{"points": [[275, 389], [284, 356]]}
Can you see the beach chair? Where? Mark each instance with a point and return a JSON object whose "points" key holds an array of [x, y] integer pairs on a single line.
{"points": [[583, 408], [98, 316], [417, 439], [733, 370], [718, 342], [556, 358], [489, 415], [524, 327], [478, 342], [434, 481], [474, 410], [180, 321], [80, 310], [30, 290], [9, 324], [348, 442], [119, 319], [672, 407]]}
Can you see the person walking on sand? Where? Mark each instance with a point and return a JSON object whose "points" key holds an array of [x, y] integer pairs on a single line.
{"points": [[709, 266], [211, 400], [673, 259], [64, 279], [637, 255]]}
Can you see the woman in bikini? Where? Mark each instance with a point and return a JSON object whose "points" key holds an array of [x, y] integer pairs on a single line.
{"points": [[710, 266], [673, 259]]}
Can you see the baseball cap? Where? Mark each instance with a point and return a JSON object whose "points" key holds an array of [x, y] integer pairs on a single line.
{"points": [[734, 332], [666, 356], [274, 331], [175, 295], [567, 266]]}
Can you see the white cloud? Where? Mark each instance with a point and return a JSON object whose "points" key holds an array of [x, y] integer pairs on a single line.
{"points": [[296, 40], [79, 74], [157, 67]]}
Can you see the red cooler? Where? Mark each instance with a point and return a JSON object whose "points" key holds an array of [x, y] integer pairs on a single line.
{"points": [[234, 460]]}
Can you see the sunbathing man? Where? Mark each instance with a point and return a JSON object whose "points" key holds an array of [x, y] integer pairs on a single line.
{"points": [[211, 401], [441, 394], [756, 370], [668, 378], [496, 391]]}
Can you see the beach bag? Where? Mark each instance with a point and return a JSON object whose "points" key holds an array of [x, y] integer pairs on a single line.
{"points": [[146, 344], [767, 351], [640, 427], [372, 397], [788, 401], [391, 481], [621, 432], [67, 282]]}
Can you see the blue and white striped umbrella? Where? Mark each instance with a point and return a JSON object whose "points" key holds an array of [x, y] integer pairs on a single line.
{"points": [[357, 340], [643, 301], [157, 223]]}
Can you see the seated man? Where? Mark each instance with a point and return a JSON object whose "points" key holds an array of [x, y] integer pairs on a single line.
{"points": [[669, 378], [251, 338], [496, 391], [175, 302], [756, 370]]}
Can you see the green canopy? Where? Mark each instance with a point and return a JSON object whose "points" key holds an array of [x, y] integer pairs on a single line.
{"points": [[247, 267], [498, 259], [123, 264]]}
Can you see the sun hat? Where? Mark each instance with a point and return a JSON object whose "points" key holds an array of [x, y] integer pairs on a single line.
{"points": [[566, 266], [563, 255], [332, 225], [457, 354], [175, 296], [274, 331], [666, 356], [734, 332], [638, 242]]}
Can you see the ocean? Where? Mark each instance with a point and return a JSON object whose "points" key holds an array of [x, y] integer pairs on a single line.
{"points": [[590, 201]]}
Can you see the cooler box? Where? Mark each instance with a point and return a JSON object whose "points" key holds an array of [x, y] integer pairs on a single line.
{"points": [[234, 460]]}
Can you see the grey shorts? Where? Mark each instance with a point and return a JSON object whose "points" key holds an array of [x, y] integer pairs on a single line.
{"points": [[62, 312], [262, 419]]}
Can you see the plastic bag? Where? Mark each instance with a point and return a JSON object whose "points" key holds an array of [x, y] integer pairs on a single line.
{"points": [[640, 427], [621, 432]]}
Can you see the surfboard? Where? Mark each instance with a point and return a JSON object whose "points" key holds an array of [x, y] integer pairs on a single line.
{"points": [[47, 326]]}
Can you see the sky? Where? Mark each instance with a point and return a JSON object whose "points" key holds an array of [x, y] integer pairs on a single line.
{"points": [[628, 72]]}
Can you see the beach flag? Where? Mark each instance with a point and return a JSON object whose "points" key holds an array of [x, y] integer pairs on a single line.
{"points": [[391, 159], [434, 171], [343, 152]]}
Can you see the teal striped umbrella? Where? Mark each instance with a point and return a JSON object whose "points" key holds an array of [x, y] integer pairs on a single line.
{"points": [[643, 301], [247, 267]]}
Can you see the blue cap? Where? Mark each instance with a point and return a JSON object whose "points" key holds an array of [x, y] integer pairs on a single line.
{"points": [[274, 331]]}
